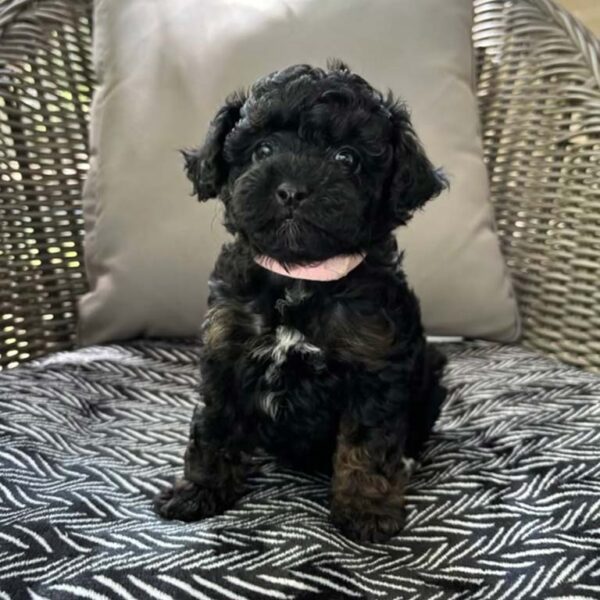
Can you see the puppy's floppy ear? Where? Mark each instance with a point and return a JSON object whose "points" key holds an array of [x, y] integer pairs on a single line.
{"points": [[206, 167], [413, 179]]}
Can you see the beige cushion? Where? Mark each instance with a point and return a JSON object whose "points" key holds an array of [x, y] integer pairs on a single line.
{"points": [[164, 67]]}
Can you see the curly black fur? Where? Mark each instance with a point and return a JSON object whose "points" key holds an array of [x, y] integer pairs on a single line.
{"points": [[333, 375]]}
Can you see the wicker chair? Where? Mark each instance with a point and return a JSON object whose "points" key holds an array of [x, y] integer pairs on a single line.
{"points": [[504, 503], [539, 90]]}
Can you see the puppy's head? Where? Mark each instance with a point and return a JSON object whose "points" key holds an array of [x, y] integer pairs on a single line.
{"points": [[313, 163]]}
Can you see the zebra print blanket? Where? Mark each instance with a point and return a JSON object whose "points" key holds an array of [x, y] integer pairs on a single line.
{"points": [[505, 505]]}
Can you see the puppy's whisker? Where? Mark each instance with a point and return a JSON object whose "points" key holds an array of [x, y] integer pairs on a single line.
{"points": [[322, 228]]}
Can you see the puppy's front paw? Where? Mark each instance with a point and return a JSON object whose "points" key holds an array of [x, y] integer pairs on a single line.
{"points": [[367, 526], [187, 501]]}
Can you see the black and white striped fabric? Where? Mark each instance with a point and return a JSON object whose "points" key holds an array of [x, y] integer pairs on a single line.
{"points": [[505, 505]]}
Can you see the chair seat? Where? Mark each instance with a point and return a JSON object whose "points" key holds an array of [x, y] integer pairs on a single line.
{"points": [[505, 503]]}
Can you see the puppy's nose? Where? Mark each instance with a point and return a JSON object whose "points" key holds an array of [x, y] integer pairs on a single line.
{"points": [[288, 193]]}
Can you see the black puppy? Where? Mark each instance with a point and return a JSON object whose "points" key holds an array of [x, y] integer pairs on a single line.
{"points": [[313, 348]]}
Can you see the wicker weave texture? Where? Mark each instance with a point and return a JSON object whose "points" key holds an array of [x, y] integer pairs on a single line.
{"points": [[539, 95], [45, 90]]}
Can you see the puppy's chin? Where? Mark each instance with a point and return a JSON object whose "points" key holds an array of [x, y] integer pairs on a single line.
{"points": [[290, 232], [296, 242]]}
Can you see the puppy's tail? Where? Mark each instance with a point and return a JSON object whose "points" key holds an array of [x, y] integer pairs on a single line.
{"points": [[435, 359]]}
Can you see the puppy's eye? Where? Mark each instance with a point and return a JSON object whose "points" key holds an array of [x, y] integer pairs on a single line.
{"points": [[263, 150], [347, 158]]}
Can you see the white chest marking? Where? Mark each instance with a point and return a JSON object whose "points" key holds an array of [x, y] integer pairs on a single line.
{"points": [[286, 339]]}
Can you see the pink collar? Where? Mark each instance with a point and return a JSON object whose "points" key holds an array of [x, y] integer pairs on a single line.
{"points": [[331, 269]]}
